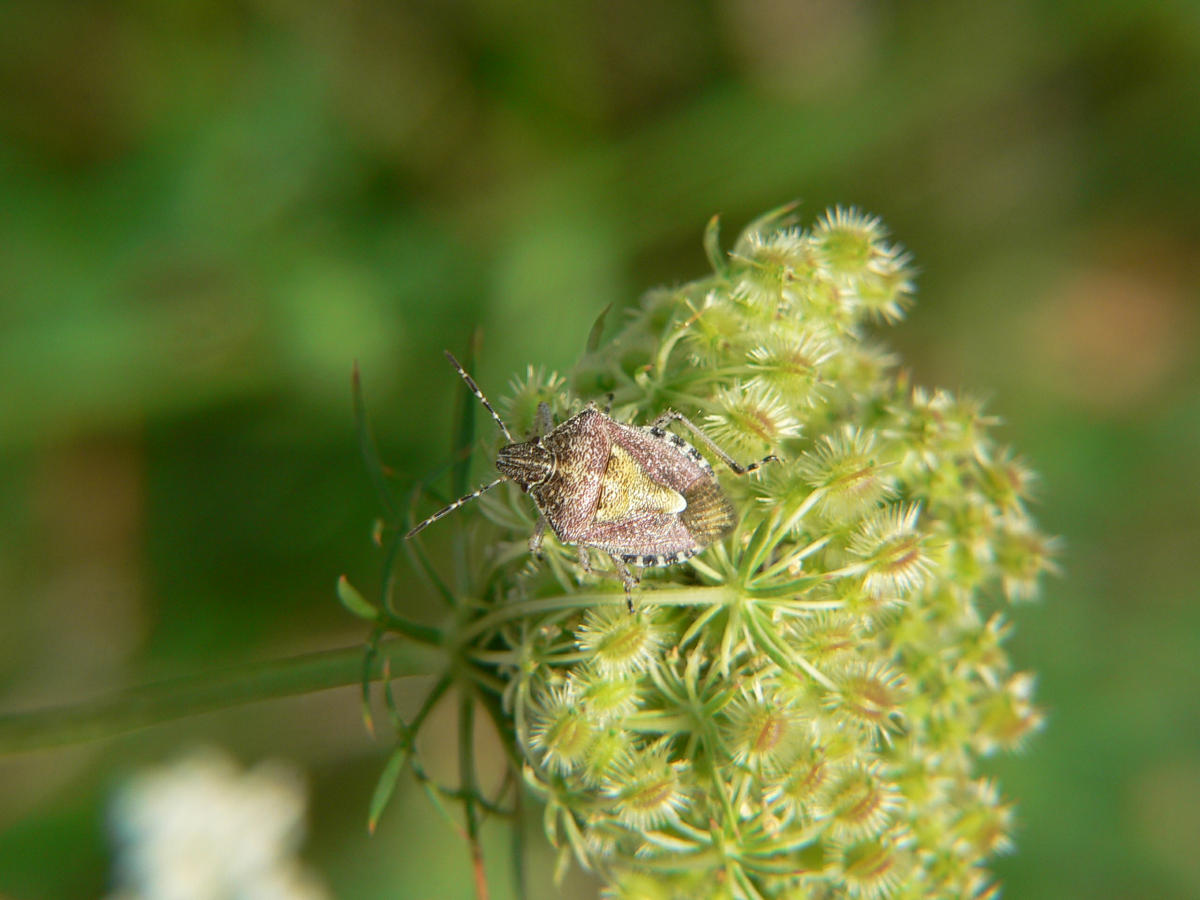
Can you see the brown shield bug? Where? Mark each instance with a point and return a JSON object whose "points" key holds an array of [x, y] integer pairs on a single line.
{"points": [[641, 494]]}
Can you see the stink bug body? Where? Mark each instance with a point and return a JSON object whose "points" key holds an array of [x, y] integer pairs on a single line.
{"points": [[641, 494]]}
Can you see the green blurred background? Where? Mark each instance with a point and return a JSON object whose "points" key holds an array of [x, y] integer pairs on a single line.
{"points": [[209, 210]]}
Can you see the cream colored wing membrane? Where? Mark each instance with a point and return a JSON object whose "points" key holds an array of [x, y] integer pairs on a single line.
{"points": [[627, 490]]}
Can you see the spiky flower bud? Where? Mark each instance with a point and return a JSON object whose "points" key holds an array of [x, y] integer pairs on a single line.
{"points": [[761, 727], [618, 643], [562, 730], [797, 711]]}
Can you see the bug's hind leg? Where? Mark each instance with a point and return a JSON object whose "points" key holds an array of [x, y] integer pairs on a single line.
{"points": [[671, 416], [627, 578]]}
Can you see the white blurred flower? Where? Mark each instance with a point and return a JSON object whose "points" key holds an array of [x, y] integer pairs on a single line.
{"points": [[203, 829]]}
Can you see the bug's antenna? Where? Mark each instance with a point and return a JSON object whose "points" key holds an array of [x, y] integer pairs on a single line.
{"points": [[482, 399], [455, 505]]}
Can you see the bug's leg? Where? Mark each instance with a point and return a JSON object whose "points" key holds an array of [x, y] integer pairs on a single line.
{"points": [[585, 559], [544, 423], [608, 402], [671, 416], [627, 578], [535, 539]]}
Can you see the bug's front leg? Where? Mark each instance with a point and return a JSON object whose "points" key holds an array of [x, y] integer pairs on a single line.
{"points": [[544, 423], [627, 578], [535, 539]]}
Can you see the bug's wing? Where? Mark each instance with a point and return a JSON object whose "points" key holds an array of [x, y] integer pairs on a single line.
{"points": [[627, 491], [647, 534], [667, 459], [676, 467], [709, 515]]}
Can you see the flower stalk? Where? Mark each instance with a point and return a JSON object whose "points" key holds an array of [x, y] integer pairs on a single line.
{"points": [[176, 698]]}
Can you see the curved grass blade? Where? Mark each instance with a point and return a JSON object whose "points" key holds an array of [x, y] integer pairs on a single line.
{"points": [[386, 786], [368, 670], [712, 246], [464, 432], [354, 602], [366, 444], [597, 331]]}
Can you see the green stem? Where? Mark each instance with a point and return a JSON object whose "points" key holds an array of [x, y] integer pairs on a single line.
{"points": [[163, 701], [466, 778], [422, 634], [689, 596]]}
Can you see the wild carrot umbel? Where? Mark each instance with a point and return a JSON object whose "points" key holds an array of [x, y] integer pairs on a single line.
{"points": [[798, 710]]}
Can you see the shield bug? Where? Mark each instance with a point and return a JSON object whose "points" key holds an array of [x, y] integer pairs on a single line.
{"points": [[641, 494]]}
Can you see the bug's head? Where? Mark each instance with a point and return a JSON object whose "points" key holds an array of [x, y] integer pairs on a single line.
{"points": [[527, 463]]}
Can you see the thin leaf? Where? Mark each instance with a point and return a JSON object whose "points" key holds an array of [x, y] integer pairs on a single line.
{"points": [[762, 540], [464, 433], [784, 657], [403, 754], [366, 444], [386, 785], [712, 246], [356, 604], [743, 881], [597, 331], [389, 700], [671, 842], [434, 792], [576, 842], [106, 716], [777, 218], [505, 729], [421, 562], [368, 669], [550, 814], [562, 865]]}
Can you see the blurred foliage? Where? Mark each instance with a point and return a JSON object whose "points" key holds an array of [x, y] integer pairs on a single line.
{"points": [[209, 210]]}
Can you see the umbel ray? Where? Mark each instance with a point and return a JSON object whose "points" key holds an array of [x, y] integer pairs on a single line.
{"points": [[641, 494]]}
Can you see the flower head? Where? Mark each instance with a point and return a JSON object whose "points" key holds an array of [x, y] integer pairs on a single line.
{"points": [[202, 829], [796, 710], [618, 643], [891, 552], [751, 419], [847, 468], [762, 726], [647, 788], [562, 731], [774, 262]]}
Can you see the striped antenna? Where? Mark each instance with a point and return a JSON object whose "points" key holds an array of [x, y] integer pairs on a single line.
{"points": [[455, 505], [482, 399], [487, 487]]}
